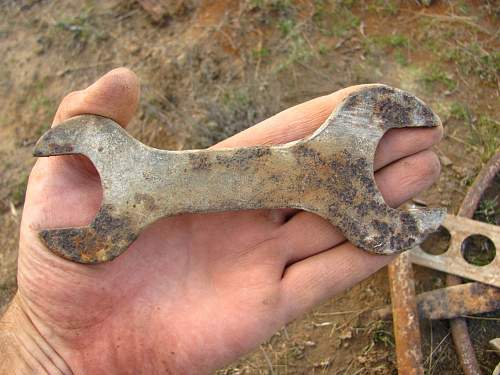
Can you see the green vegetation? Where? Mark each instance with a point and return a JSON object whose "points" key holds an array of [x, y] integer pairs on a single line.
{"points": [[473, 59], [280, 6], [399, 43], [322, 49], [298, 52], [335, 18], [394, 40], [260, 53], [286, 26], [457, 42], [400, 57], [483, 130], [488, 210], [381, 335], [236, 100], [387, 7], [83, 28], [435, 76], [41, 104], [478, 250], [18, 191], [460, 112], [484, 133]]}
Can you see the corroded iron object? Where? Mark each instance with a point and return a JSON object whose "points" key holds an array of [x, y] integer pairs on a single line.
{"points": [[452, 261], [450, 302], [329, 173], [405, 316]]}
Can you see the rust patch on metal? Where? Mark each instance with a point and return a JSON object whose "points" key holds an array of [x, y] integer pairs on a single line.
{"points": [[329, 173], [59, 149], [451, 302], [405, 316], [199, 161], [93, 244], [452, 261]]}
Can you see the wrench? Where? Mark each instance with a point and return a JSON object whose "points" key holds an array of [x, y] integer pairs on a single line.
{"points": [[329, 173]]}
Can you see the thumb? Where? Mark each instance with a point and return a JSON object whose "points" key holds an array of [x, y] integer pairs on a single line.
{"points": [[115, 95], [59, 182]]}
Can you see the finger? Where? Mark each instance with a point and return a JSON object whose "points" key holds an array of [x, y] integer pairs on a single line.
{"points": [[302, 120], [313, 280], [307, 234], [399, 143], [72, 181], [115, 95], [291, 124]]}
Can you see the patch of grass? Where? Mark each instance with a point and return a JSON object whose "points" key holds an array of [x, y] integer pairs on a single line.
{"points": [[272, 5], [83, 28], [335, 18], [434, 77], [380, 334], [488, 210], [386, 41], [460, 112], [18, 191], [322, 49], [286, 26], [473, 59], [483, 130], [383, 336], [40, 103], [400, 58], [380, 43], [484, 134], [432, 45], [236, 108], [387, 7], [298, 52], [478, 250], [463, 8], [395, 40], [236, 100], [260, 53]]}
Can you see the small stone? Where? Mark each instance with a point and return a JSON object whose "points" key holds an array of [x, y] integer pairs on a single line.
{"points": [[460, 171], [345, 335], [135, 50], [445, 161], [323, 364]]}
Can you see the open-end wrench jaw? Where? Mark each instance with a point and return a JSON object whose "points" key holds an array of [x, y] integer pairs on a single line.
{"points": [[329, 173]]}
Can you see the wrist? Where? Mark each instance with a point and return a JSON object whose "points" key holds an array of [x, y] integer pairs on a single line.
{"points": [[24, 350]]}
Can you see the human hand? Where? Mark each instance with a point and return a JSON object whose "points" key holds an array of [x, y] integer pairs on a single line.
{"points": [[193, 292]]}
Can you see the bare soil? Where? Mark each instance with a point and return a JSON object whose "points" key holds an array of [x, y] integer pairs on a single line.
{"points": [[212, 68]]}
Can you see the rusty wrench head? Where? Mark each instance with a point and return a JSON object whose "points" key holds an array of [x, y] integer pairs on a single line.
{"points": [[329, 173]]}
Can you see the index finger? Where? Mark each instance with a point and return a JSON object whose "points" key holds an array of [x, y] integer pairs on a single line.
{"points": [[302, 120]]}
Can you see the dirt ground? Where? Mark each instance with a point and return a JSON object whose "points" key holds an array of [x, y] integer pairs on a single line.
{"points": [[212, 68]]}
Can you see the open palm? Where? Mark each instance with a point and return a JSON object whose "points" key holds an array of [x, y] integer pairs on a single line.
{"points": [[194, 292]]}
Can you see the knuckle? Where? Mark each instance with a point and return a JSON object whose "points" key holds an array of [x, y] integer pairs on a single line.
{"points": [[428, 166], [69, 98], [434, 165]]}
